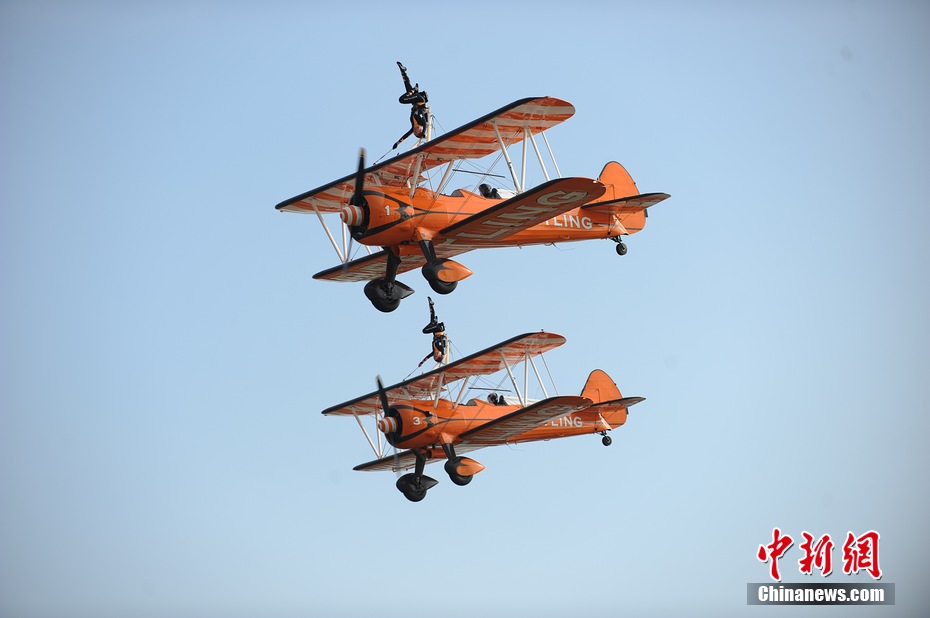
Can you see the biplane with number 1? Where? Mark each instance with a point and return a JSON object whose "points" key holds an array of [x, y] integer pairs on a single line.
{"points": [[414, 415], [389, 204]]}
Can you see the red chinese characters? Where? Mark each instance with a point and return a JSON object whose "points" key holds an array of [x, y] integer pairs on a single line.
{"points": [[861, 554], [774, 550], [819, 554]]}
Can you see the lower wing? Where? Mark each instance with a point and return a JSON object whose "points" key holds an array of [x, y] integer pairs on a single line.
{"points": [[368, 268]]}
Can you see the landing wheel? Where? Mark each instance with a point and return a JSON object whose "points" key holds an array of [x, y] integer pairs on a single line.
{"points": [[454, 476], [442, 287], [384, 305], [409, 486], [606, 441], [414, 495], [384, 295], [621, 248], [414, 487]]}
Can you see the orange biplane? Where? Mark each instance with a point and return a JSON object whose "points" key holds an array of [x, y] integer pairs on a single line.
{"points": [[388, 205], [413, 414]]}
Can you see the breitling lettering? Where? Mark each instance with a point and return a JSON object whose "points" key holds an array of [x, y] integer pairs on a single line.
{"points": [[566, 421], [571, 221]]}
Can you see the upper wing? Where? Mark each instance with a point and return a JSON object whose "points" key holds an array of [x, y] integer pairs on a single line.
{"points": [[624, 205], [507, 427], [531, 208], [485, 362], [471, 141]]}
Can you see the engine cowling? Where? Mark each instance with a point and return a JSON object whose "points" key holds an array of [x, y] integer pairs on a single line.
{"points": [[407, 426], [353, 216], [384, 213]]}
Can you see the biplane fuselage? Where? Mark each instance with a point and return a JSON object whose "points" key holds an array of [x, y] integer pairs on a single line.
{"points": [[401, 222], [420, 425]]}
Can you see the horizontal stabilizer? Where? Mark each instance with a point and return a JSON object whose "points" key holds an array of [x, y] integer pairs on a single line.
{"points": [[613, 412], [627, 205], [616, 404]]}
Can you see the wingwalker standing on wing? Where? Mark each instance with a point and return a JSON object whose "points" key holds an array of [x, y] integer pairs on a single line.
{"points": [[438, 329], [419, 112]]}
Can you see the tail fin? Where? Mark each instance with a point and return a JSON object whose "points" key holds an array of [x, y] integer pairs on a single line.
{"points": [[620, 184], [600, 387], [609, 405], [618, 181]]}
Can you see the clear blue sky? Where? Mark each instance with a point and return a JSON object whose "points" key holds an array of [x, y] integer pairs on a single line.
{"points": [[165, 354]]}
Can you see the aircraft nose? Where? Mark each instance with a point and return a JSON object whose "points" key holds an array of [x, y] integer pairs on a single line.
{"points": [[387, 425], [352, 215]]}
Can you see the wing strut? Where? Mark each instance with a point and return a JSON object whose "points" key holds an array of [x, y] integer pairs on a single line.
{"points": [[551, 156], [377, 449], [342, 257], [542, 165], [438, 391], [445, 177], [415, 179], [513, 173], [536, 371], [513, 380], [462, 392]]}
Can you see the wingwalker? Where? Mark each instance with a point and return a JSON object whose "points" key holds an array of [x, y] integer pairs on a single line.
{"points": [[416, 415], [398, 206]]}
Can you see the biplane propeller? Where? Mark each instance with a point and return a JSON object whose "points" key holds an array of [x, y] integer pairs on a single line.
{"points": [[415, 416], [387, 205]]}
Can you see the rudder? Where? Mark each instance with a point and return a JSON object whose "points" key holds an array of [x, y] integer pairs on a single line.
{"points": [[618, 181], [600, 387]]}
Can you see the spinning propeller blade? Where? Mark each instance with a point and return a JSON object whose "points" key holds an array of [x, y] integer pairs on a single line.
{"points": [[357, 198], [386, 407], [354, 214]]}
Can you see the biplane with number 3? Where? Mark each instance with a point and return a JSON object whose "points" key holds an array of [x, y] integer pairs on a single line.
{"points": [[414, 415], [389, 204]]}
